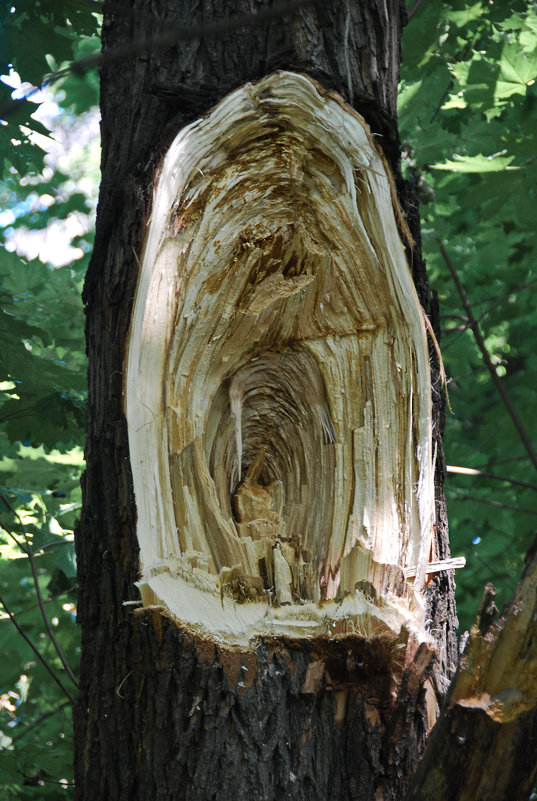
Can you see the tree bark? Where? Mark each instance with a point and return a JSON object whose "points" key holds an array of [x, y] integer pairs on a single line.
{"points": [[164, 712], [484, 743]]}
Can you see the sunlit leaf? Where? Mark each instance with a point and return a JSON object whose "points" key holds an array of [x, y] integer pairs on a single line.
{"points": [[478, 163]]}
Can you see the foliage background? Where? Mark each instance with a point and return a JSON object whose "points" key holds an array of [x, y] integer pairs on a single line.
{"points": [[48, 191], [468, 126], [468, 114]]}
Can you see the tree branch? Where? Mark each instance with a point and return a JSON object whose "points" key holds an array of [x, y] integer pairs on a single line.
{"points": [[28, 551], [177, 33], [506, 296], [40, 720], [474, 325], [493, 305], [36, 651], [462, 496], [471, 471], [414, 8]]}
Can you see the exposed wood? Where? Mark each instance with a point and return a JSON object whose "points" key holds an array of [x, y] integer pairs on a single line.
{"points": [[484, 745], [277, 379]]}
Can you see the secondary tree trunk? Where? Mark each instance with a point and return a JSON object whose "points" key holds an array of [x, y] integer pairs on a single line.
{"points": [[169, 709], [484, 744]]}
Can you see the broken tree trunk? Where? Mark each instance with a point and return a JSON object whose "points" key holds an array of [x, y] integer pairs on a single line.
{"points": [[265, 596], [277, 380], [484, 745]]}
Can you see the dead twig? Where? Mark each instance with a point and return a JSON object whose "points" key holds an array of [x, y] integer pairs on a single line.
{"points": [[414, 8], [29, 553], [474, 325], [178, 33], [471, 471], [40, 720], [460, 495], [41, 658]]}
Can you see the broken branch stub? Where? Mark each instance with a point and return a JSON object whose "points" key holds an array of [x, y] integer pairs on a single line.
{"points": [[277, 389]]}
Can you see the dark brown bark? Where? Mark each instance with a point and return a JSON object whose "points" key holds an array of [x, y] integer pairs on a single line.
{"points": [[484, 744], [164, 715]]}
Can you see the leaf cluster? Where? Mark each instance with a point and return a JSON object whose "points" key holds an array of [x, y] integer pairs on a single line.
{"points": [[42, 388], [468, 120]]}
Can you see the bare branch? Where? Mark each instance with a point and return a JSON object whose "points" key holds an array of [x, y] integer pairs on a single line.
{"points": [[177, 33], [493, 305], [42, 780], [15, 539], [414, 8], [471, 471], [29, 553], [40, 720], [463, 496], [474, 325], [36, 651]]}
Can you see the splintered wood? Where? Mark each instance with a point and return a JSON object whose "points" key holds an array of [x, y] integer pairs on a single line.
{"points": [[277, 390]]}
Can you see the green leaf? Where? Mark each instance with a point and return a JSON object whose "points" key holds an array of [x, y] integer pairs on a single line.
{"points": [[469, 14], [518, 70], [479, 164], [485, 213]]}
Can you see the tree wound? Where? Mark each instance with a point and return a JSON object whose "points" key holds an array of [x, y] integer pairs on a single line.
{"points": [[277, 389]]}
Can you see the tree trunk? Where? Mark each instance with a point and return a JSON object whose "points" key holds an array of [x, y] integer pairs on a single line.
{"points": [[484, 743], [171, 707]]}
